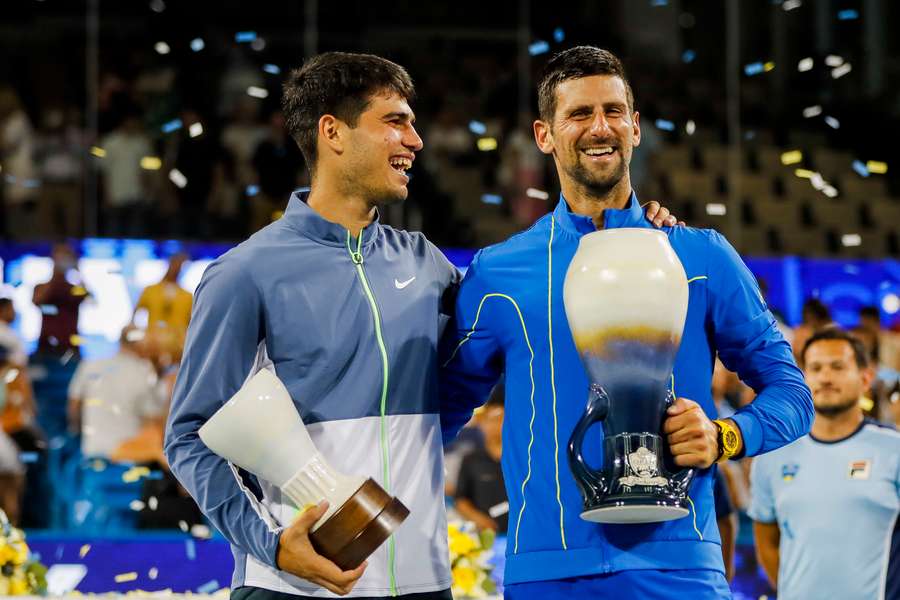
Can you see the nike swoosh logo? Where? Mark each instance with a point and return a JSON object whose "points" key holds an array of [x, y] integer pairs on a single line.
{"points": [[402, 284]]}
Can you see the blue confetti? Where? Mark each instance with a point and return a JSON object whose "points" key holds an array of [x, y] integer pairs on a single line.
{"points": [[665, 125], [244, 36], [848, 15], [559, 35], [860, 167], [273, 69], [190, 549], [754, 69], [477, 127], [197, 44], [492, 199], [538, 47], [173, 125], [28, 457], [688, 56], [659, 2], [252, 190], [209, 587], [59, 552]]}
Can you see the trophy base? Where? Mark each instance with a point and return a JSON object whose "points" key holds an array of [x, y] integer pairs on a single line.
{"points": [[635, 510], [359, 526]]}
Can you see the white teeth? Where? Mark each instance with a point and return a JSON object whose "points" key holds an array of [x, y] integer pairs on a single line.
{"points": [[598, 151], [401, 164]]}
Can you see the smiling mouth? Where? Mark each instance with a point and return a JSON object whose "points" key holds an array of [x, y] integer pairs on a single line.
{"points": [[401, 164], [595, 151]]}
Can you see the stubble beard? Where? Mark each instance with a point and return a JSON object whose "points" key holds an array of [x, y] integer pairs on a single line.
{"points": [[835, 410], [596, 184]]}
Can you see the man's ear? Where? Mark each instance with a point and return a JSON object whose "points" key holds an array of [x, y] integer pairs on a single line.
{"points": [[636, 129], [543, 136], [332, 133]]}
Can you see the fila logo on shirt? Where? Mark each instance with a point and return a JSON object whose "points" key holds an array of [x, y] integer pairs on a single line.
{"points": [[860, 469]]}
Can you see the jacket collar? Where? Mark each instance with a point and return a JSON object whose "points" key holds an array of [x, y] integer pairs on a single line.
{"points": [[579, 225], [303, 219]]}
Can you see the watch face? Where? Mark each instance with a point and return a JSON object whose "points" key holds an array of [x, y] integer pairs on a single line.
{"points": [[730, 440]]}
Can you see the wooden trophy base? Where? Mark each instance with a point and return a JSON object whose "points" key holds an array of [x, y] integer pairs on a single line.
{"points": [[359, 526]]}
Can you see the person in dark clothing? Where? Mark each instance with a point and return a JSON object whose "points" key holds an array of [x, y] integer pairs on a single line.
{"points": [[278, 162], [480, 492]]}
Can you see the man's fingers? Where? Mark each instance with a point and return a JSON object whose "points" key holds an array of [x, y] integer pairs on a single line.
{"points": [[651, 209], [679, 406], [309, 516], [671, 221], [683, 434]]}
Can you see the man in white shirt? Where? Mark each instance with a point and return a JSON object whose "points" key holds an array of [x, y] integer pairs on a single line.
{"points": [[111, 399]]}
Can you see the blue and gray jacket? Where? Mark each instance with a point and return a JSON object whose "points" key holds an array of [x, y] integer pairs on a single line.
{"points": [[351, 327], [510, 318]]}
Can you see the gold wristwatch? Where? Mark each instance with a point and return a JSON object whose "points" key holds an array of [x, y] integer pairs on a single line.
{"points": [[729, 440]]}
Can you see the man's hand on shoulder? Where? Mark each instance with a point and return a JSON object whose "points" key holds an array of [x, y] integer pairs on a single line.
{"points": [[659, 215], [693, 437], [297, 556]]}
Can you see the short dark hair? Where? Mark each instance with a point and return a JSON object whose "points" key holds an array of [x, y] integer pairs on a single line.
{"points": [[836, 333], [575, 63], [871, 312], [816, 309], [5, 302], [339, 84]]}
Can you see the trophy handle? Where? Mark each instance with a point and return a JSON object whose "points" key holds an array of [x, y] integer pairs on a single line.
{"points": [[681, 479], [593, 484]]}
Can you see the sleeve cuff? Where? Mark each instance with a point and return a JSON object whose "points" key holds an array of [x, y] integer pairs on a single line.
{"points": [[273, 552], [751, 432]]}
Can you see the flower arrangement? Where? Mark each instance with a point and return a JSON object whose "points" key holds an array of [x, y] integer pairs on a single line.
{"points": [[20, 574], [470, 552]]}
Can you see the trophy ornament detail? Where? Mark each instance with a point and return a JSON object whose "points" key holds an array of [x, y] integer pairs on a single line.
{"points": [[626, 297], [260, 431]]}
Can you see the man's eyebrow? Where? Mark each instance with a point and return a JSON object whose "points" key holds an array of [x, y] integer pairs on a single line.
{"points": [[573, 109], [400, 114]]}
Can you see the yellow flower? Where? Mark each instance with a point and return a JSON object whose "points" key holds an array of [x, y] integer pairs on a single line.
{"points": [[461, 544], [18, 586], [464, 579]]}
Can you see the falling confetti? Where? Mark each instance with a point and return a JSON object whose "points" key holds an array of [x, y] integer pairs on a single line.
{"points": [[152, 502], [49, 309], [197, 44], [688, 56], [11, 375], [151, 163], [804, 173], [135, 473], [257, 92], [162, 48], [477, 127], [805, 64], [98, 151], [486, 144], [832, 122], [812, 111], [196, 129], [877, 166], [75, 340], [494, 199], [559, 35], [790, 5], [178, 178], [272, 69], [537, 194], [860, 167], [208, 587], [791, 157], [833, 60], [848, 15], [851, 239], [190, 549], [665, 125], [840, 71], [173, 125], [252, 190], [715, 209], [153, 573], [123, 577], [136, 505], [538, 47], [243, 37], [754, 69], [690, 127]]}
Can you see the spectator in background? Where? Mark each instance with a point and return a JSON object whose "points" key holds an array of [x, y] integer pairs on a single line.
{"points": [[726, 519], [278, 164], [167, 304], [19, 180], [60, 159], [18, 427], [825, 507], [241, 136], [125, 182], [480, 491], [59, 301], [112, 400], [9, 339], [12, 479], [815, 316]]}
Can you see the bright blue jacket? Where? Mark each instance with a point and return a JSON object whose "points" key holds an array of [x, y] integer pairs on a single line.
{"points": [[510, 318]]}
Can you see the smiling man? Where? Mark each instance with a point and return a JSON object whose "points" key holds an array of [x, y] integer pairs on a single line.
{"points": [[825, 508], [345, 311], [510, 317]]}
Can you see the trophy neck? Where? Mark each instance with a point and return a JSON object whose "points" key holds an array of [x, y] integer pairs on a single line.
{"points": [[316, 481]]}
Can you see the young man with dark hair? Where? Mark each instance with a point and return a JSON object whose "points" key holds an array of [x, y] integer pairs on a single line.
{"points": [[510, 317], [825, 508], [347, 312]]}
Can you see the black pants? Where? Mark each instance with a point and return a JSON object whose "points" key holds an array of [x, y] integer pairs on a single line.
{"points": [[254, 593]]}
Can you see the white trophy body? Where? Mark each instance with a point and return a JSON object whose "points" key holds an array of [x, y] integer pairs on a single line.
{"points": [[260, 430]]}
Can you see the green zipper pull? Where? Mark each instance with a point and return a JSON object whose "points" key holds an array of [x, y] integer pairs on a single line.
{"points": [[356, 256]]}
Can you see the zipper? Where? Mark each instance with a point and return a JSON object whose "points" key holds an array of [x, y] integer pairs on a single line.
{"points": [[357, 259]]}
